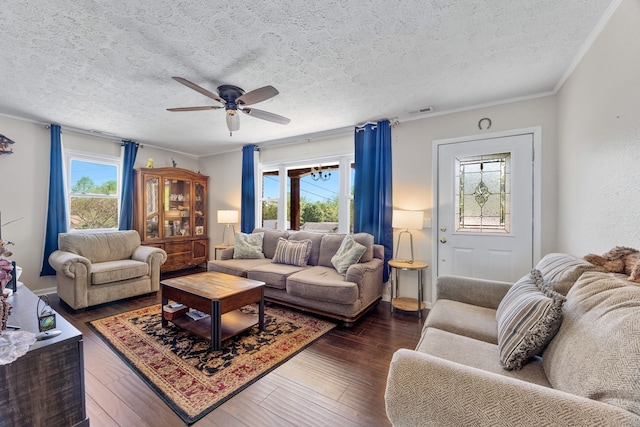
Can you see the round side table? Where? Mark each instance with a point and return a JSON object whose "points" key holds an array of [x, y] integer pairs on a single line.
{"points": [[408, 304]]}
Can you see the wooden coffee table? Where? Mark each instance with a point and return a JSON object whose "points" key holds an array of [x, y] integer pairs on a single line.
{"points": [[219, 295]]}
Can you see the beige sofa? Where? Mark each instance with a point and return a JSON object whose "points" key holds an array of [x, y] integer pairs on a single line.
{"points": [[316, 287], [587, 375], [94, 268]]}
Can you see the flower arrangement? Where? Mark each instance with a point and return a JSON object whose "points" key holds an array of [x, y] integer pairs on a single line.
{"points": [[6, 268], [5, 265]]}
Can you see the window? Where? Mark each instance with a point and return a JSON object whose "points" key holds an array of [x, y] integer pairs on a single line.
{"points": [[93, 190], [483, 193], [318, 197]]}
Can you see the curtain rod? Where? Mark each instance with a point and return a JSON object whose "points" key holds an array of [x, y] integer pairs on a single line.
{"points": [[392, 122]]}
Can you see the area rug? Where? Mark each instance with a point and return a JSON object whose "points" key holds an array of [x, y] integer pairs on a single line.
{"points": [[181, 368]]}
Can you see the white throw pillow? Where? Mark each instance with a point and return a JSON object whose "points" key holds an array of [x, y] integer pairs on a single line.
{"points": [[248, 246], [348, 253]]}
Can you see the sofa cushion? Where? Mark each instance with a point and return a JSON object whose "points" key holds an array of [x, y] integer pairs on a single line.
{"points": [[323, 284], [328, 248], [315, 238], [596, 352], [236, 267], [272, 274], [464, 319], [100, 247], [331, 243], [248, 246], [366, 240], [528, 317], [270, 240], [292, 252], [562, 270], [476, 354], [114, 271], [349, 253]]}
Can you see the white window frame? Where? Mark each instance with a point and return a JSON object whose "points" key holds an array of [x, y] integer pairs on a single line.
{"points": [[71, 155], [344, 188]]}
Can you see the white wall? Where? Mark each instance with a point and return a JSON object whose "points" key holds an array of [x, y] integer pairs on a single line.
{"points": [[599, 135], [590, 147], [412, 146], [24, 187], [412, 161], [224, 190]]}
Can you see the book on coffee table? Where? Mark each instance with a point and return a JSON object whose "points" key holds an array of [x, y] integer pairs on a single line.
{"points": [[197, 314]]}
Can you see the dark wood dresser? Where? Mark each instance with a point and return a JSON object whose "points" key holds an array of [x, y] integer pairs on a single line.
{"points": [[44, 387]]}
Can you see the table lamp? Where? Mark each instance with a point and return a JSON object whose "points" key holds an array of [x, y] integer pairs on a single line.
{"points": [[407, 220], [227, 217]]}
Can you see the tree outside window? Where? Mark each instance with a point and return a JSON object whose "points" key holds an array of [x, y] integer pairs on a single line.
{"points": [[313, 197], [93, 194]]}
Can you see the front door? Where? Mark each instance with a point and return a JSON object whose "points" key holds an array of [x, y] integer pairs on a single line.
{"points": [[485, 207]]}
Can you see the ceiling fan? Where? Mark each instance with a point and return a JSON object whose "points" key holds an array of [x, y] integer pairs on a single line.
{"points": [[234, 99]]}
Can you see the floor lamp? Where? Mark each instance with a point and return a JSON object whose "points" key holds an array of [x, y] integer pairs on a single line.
{"points": [[228, 218], [407, 220]]}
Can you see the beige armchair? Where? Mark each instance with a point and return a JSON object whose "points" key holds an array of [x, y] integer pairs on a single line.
{"points": [[94, 268]]}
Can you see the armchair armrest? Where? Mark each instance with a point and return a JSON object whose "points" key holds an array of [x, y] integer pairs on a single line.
{"points": [[154, 257], [480, 292], [146, 253], [65, 263], [424, 390]]}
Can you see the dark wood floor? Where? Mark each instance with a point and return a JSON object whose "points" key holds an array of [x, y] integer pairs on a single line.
{"points": [[338, 380]]}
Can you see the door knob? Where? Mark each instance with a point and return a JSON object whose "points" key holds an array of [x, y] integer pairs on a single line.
{"points": [[443, 228], [443, 240]]}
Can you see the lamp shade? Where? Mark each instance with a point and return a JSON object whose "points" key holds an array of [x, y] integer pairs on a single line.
{"points": [[408, 219], [228, 217]]}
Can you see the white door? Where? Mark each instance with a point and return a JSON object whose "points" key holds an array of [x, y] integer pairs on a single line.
{"points": [[485, 207]]}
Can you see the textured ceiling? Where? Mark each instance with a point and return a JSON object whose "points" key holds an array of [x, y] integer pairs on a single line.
{"points": [[107, 65]]}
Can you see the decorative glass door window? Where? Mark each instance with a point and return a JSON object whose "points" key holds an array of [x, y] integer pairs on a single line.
{"points": [[176, 207], [483, 193]]}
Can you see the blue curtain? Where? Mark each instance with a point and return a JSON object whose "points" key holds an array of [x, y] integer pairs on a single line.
{"points": [[126, 199], [57, 211], [373, 201], [248, 207]]}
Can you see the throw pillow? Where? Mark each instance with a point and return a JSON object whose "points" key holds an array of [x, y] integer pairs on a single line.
{"points": [[292, 252], [248, 246], [596, 352], [528, 317], [348, 253]]}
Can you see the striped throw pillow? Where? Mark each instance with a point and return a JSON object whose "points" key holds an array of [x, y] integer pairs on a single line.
{"points": [[528, 317], [292, 252]]}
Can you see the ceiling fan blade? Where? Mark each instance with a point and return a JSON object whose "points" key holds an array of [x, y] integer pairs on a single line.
{"points": [[258, 95], [265, 115], [200, 89], [211, 107]]}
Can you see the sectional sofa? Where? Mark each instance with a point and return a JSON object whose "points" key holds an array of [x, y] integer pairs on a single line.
{"points": [[312, 283], [561, 347]]}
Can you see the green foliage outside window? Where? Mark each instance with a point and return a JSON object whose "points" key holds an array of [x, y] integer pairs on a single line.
{"points": [[319, 211], [91, 211]]}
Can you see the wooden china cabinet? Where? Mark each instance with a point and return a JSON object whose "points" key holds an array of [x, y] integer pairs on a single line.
{"points": [[170, 212]]}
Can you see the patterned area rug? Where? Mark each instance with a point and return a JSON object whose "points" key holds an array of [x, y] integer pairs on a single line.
{"points": [[180, 366]]}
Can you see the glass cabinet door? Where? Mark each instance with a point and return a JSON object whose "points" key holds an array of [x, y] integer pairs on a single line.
{"points": [[152, 207], [177, 194], [199, 209]]}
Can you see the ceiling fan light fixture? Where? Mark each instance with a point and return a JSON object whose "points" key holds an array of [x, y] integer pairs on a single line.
{"points": [[233, 120], [231, 97]]}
